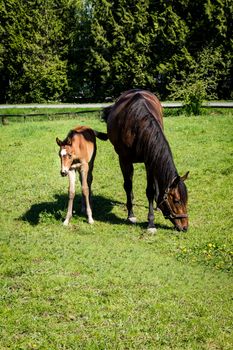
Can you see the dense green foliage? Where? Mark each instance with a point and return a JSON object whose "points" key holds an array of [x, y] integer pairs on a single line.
{"points": [[111, 285], [35, 50], [200, 84], [93, 49]]}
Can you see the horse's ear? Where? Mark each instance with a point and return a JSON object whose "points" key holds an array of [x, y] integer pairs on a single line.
{"points": [[183, 178], [59, 142], [175, 182]]}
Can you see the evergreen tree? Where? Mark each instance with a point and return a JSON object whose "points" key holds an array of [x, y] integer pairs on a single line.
{"points": [[209, 30], [34, 58], [120, 53], [168, 43], [148, 43], [80, 84], [92, 49]]}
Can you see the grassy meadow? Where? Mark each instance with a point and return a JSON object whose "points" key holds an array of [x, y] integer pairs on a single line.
{"points": [[111, 285]]}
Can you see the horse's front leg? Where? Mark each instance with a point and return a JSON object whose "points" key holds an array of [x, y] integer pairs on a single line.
{"points": [[71, 175], [85, 191], [150, 192], [127, 171]]}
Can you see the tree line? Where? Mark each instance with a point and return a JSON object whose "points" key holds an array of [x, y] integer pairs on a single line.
{"points": [[76, 50]]}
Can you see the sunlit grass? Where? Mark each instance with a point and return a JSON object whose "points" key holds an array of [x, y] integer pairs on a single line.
{"points": [[111, 285]]}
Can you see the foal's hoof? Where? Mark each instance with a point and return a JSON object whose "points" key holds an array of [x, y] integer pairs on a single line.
{"points": [[132, 219], [66, 222], [90, 221], [151, 230]]}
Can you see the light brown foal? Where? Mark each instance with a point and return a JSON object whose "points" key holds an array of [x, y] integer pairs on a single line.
{"points": [[77, 152]]}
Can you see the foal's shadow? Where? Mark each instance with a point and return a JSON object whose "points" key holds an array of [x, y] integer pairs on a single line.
{"points": [[102, 209]]}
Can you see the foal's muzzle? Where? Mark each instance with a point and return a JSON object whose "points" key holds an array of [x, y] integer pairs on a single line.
{"points": [[64, 173]]}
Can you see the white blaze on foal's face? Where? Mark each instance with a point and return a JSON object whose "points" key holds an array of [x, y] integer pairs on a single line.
{"points": [[63, 152], [66, 159]]}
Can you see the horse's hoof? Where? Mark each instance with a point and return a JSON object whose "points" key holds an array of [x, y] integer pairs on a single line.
{"points": [[66, 223], [132, 219], [151, 230], [90, 221]]}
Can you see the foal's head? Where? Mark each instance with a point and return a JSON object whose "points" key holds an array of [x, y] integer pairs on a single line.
{"points": [[173, 204], [66, 154]]}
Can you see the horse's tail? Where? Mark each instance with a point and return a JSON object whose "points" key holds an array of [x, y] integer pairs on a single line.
{"points": [[105, 113], [101, 135]]}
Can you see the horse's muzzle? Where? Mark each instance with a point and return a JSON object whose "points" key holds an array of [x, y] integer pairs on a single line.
{"points": [[181, 228]]}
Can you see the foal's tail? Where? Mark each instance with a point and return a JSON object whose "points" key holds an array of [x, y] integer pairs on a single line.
{"points": [[101, 135]]}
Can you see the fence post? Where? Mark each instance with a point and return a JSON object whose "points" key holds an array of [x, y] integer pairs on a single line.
{"points": [[4, 120]]}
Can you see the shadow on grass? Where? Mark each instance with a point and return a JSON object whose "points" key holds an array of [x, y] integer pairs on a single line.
{"points": [[102, 211]]}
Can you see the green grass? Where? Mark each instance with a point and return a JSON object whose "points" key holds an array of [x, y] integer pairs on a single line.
{"points": [[111, 285], [9, 115]]}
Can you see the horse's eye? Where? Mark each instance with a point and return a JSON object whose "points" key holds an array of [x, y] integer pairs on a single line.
{"points": [[70, 156], [177, 201]]}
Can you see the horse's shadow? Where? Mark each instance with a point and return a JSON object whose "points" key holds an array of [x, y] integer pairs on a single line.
{"points": [[102, 211]]}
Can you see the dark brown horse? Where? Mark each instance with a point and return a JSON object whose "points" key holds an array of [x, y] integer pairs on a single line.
{"points": [[135, 128]]}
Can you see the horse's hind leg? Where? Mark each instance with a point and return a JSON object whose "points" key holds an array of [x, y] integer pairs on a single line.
{"points": [[71, 175], [150, 192], [86, 191], [127, 171]]}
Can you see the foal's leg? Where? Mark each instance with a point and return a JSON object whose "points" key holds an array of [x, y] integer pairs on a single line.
{"points": [[89, 180], [127, 171], [71, 175], [150, 192], [85, 191], [83, 207]]}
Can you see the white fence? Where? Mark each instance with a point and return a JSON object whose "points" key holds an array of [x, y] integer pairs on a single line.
{"points": [[217, 104], [89, 106]]}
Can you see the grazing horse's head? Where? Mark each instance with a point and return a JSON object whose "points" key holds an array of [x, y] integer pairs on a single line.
{"points": [[66, 154], [173, 204]]}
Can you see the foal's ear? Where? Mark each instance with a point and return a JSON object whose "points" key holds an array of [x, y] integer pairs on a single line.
{"points": [[59, 142], [69, 141], [183, 178]]}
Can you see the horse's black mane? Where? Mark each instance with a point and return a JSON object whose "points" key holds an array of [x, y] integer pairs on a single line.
{"points": [[150, 140], [183, 192]]}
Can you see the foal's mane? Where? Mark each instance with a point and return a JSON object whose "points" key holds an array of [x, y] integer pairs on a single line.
{"points": [[87, 133]]}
